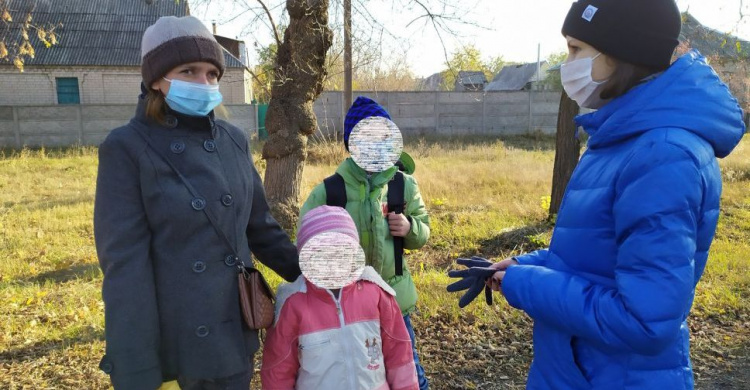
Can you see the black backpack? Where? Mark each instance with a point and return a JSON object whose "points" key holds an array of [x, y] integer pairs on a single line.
{"points": [[336, 196]]}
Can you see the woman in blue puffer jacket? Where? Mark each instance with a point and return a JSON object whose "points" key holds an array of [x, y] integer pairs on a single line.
{"points": [[611, 294]]}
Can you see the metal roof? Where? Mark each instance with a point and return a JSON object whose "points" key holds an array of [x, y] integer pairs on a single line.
{"points": [[97, 32], [470, 81], [711, 42], [471, 77], [431, 83], [513, 77]]}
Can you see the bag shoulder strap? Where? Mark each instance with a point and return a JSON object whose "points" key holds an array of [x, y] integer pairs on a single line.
{"points": [[196, 195], [336, 196]]}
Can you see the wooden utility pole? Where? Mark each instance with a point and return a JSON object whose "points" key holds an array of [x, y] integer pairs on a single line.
{"points": [[348, 97]]}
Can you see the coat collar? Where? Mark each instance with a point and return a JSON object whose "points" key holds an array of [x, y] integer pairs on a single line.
{"points": [[353, 174], [302, 286]]}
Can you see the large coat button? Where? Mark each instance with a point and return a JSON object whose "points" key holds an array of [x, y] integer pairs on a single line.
{"points": [[227, 200], [199, 267], [209, 145], [170, 121], [201, 331], [231, 260], [105, 365], [177, 147], [198, 204]]}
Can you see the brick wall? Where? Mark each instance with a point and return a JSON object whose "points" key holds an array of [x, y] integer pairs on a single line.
{"points": [[26, 88], [237, 86]]}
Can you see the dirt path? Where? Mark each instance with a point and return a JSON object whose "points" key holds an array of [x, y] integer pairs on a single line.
{"points": [[464, 356], [736, 375]]}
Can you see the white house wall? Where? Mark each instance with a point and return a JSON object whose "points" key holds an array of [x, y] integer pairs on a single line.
{"points": [[25, 89], [236, 86], [99, 85]]}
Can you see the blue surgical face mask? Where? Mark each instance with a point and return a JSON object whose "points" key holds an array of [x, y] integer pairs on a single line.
{"points": [[192, 98]]}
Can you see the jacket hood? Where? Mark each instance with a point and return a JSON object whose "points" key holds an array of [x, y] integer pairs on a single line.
{"points": [[406, 163], [688, 95]]}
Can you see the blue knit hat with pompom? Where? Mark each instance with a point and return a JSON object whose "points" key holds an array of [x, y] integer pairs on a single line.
{"points": [[362, 108]]}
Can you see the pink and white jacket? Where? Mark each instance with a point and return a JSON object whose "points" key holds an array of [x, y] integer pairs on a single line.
{"points": [[358, 341]]}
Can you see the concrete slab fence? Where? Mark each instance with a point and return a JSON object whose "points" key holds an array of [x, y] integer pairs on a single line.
{"points": [[453, 113], [416, 114], [68, 125]]}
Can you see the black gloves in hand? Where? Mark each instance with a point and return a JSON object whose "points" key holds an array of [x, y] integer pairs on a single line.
{"points": [[474, 279]]}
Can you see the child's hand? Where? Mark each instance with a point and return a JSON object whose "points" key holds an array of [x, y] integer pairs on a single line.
{"points": [[399, 224]]}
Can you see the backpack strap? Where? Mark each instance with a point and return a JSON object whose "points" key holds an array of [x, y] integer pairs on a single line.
{"points": [[396, 204], [336, 196], [335, 190]]}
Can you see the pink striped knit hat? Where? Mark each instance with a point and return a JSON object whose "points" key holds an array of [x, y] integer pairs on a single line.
{"points": [[324, 219]]}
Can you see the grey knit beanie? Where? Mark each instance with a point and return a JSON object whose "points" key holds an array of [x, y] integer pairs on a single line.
{"points": [[173, 41]]}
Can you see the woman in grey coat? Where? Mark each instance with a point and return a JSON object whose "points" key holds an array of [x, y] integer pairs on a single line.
{"points": [[169, 243]]}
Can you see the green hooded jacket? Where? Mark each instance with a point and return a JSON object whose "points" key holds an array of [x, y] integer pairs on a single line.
{"points": [[364, 202]]}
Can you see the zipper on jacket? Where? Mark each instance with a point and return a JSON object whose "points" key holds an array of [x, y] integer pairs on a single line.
{"points": [[368, 220], [371, 228], [344, 339]]}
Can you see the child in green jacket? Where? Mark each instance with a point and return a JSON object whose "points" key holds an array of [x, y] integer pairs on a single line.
{"points": [[366, 176]]}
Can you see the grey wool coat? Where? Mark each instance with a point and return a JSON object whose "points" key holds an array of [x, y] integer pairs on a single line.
{"points": [[170, 279]]}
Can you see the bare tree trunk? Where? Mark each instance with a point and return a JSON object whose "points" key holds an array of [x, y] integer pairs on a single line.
{"points": [[567, 150], [299, 74]]}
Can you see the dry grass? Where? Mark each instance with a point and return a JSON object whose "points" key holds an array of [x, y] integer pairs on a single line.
{"points": [[485, 197]]}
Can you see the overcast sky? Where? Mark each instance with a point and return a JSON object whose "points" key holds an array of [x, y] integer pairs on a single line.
{"points": [[509, 28]]}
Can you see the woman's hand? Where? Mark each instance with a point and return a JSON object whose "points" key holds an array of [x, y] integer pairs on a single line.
{"points": [[496, 281]]}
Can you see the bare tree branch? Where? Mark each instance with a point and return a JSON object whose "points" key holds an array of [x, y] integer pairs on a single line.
{"points": [[239, 15], [273, 25], [433, 19], [260, 82], [371, 37]]}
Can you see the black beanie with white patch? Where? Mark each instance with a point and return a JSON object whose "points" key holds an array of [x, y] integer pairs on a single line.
{"points": [[639, 32]]}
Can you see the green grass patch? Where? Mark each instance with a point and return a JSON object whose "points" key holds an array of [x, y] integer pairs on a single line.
{"points": [[485, 196]]}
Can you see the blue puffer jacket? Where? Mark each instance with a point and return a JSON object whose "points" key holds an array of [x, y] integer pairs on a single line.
{"points": [[611, 295]]}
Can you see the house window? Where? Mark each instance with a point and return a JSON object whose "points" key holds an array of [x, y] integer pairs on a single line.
{"points": [[67, 90]]}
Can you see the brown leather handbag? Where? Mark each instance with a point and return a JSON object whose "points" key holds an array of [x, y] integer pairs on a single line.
{"points": [[256, 299]]}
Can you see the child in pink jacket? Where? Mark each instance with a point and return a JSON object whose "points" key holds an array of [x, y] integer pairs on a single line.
{"points": [[338, 326]]}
